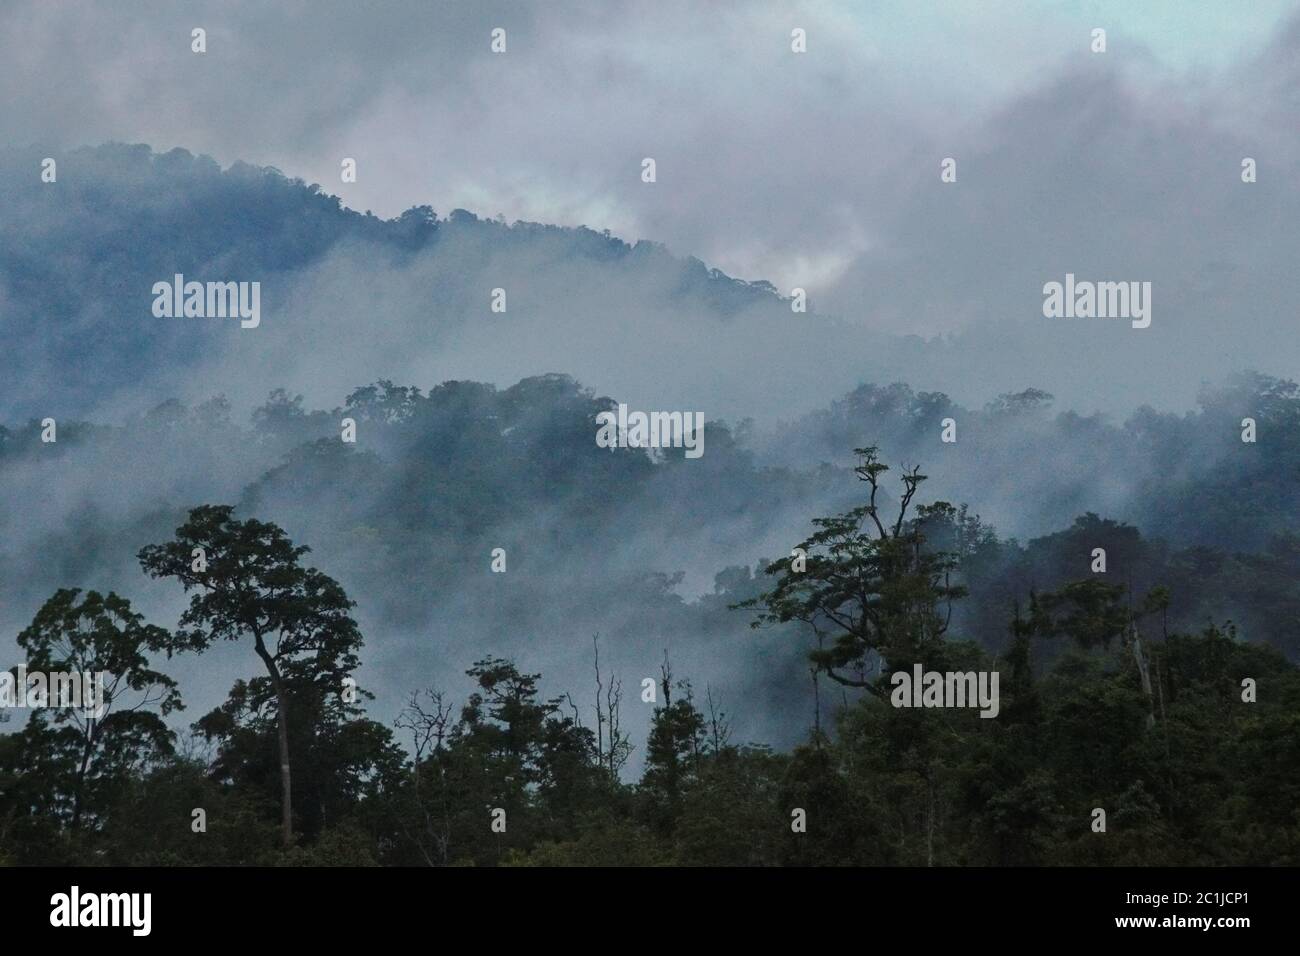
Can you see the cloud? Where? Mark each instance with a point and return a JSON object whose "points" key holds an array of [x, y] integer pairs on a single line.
{"points": [[772, 165], [817, 170]]}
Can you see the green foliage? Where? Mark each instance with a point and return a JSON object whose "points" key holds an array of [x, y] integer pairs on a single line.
{"points": [[69, 764], [1097, 710], [872, 585], [249, 582]]}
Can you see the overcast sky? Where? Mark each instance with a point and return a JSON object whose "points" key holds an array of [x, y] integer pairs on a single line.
{"points": [[817, 170], [770, 165]]}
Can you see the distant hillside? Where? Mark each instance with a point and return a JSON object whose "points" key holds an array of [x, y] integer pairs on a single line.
{"points": [[78, 258]]}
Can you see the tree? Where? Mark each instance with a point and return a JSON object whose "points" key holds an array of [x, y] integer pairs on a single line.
{"points": [[81, 753], [1018, 403], [534, 754], [674, 747], [340, 758], [613, 755], [428, 720], [250, 582], [875, 588]]}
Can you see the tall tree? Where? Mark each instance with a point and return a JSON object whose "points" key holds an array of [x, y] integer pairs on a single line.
{"points": [[83, 750], [868, 584], [250, 583], [677, 739]]}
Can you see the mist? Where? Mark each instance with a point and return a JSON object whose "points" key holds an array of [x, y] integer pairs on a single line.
{"points": [[924, 304]]}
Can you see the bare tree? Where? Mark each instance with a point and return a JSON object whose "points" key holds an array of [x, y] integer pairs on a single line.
{"points": [[613, 745], [427, 720]]}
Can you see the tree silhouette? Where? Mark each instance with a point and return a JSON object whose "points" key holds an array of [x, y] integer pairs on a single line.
{"points": [[86, 751], [871, 586], [250, 582]]}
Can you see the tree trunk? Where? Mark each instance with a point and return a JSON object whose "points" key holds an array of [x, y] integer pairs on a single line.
{"points": [[286, 811], [282, 718], [1145, 676], [86, 750]]}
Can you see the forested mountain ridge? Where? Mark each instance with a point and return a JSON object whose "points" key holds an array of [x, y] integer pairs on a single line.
{"points": [[476, 528], [83, 258], [1196, 764]]}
